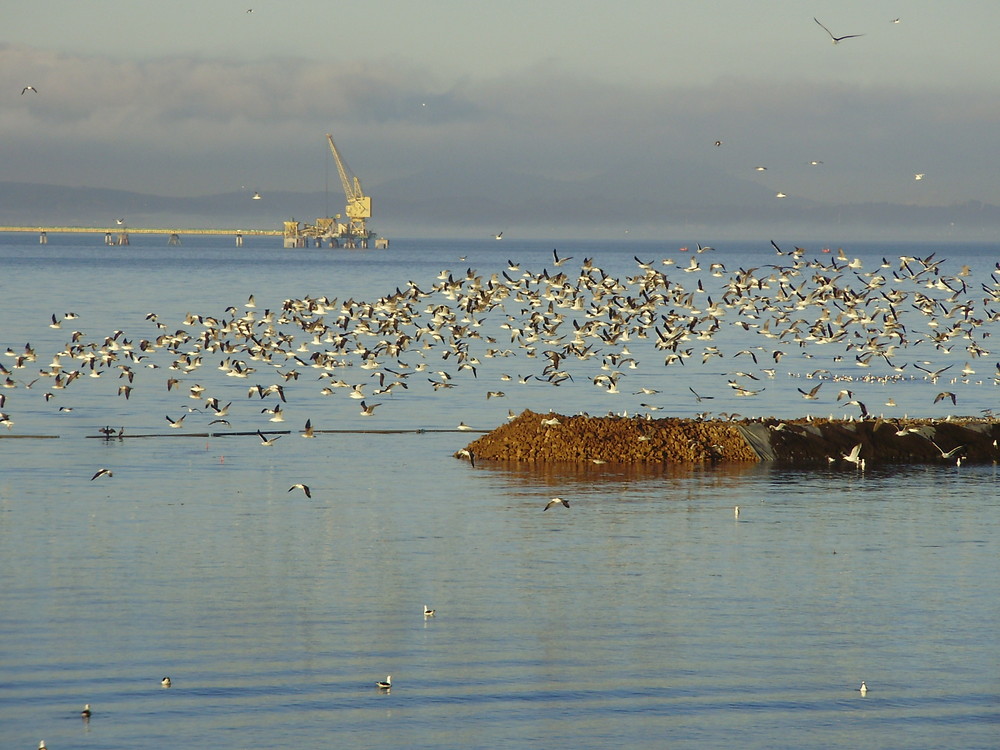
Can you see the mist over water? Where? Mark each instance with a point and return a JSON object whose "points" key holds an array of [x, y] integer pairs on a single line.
{"points": [[645, 612]]}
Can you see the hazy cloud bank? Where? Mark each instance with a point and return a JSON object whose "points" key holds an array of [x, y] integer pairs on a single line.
{"points": [[186, 126]]}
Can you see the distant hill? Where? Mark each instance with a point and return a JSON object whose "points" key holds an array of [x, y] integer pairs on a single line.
{"points": [[665, 200], [52, 205]]}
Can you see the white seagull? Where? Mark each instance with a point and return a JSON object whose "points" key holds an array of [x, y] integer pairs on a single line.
{"points": [[555, 501], [385, 685], [267, 441], [946, 454], [368, 411], [28, 88], [854, 456], [557, 260]]}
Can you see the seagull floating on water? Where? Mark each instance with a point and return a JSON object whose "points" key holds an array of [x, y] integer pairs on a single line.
{"points": [[385, 685], [864, 688], [428, 612]]}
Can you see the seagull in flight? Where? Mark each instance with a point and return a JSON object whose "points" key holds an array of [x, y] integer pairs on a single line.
{"points": [[810, 394], [101, 473], [836, 39], [28, 88], [555, 501], [303, 487], [557, 260], [946, 454], [264, 440], [854, 456]]}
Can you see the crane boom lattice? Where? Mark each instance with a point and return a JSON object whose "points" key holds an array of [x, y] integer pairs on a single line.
{"points": [[359, 205]]}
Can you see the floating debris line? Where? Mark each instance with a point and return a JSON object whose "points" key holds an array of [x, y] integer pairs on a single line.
{"points": [[126, 436]]}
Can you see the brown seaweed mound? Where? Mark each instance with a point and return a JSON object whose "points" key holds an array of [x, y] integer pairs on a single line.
{"points": [[533, 437], [555, 437]]}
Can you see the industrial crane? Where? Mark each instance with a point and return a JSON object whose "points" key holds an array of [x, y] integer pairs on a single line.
{"points": [[359, 205]]}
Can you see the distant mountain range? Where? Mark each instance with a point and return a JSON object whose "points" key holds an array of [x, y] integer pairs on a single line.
{"points": [[460, 204]]}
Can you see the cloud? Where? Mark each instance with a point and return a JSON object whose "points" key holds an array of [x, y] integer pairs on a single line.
{"points": [[190, 125]]}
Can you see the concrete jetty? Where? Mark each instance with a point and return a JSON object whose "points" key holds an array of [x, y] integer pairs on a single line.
{"points": [[534, 437]]}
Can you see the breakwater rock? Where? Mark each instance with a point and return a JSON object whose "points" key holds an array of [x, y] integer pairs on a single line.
{"points": [[537, 437]]}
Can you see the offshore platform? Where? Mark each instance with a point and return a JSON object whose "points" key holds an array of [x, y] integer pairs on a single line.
{"points": [[350, 229], [347, 230]]}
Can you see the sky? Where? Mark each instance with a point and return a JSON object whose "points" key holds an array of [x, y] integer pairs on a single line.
{"points": [[510, 104]]}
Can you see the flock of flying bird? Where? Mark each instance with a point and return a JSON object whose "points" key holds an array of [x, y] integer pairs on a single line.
{"points": [[568, 327]]}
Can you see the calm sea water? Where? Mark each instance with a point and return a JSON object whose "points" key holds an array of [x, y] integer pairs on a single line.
{"points": [[646, 612]]}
